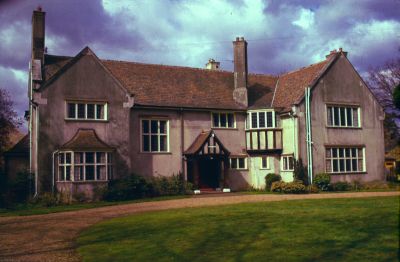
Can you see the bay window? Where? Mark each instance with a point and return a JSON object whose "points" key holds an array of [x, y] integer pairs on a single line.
{"points": [[84, 166], [260, 119]]}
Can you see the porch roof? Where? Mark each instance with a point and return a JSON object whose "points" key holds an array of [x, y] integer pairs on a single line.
{"points": [[201, 140]]}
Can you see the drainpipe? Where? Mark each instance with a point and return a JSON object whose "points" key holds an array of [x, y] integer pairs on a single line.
{"points": [[308, 136], [182, 145], [53, 172]]}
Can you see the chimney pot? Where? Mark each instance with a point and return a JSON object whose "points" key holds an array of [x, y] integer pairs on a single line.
{"points": [[212, 64]]}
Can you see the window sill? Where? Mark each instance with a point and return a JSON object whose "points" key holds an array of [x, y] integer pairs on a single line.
{"points": [[156, 153], [83, 182], [349, 173], [287, 170], [237, 169], [343, 127], [224, 128], [85, 120]]}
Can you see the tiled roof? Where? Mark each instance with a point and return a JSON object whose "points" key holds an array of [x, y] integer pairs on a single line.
{"points": [[198, 143], [291, 85], [175, 86], [86, 139], [20, 148]]}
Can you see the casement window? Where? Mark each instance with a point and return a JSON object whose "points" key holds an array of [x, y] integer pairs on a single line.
{"points": [[223, 120], [345, 159], [260, 119], [86, 110], [155, 135], [239, 163], [84, 166], [343, 116], [265, 162], [287, 163]]}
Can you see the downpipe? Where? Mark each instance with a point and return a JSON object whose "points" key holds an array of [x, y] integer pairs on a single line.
{"points": [[53, 172]]}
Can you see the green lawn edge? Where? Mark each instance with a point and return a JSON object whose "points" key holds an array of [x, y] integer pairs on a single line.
{"points": [[348, 229]]}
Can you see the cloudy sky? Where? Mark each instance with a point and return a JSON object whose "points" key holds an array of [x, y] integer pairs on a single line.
{"points": [[281, 35]]}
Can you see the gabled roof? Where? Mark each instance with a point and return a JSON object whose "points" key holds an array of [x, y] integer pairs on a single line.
{"points": [[86, 139], [201, 140], [21, 148], [291, 86], [176, 86]]}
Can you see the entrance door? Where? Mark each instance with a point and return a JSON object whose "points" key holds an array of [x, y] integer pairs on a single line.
{"points": [[210, 170]]}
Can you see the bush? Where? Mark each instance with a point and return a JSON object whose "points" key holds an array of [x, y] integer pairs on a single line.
{"points": [[313, 189], [131, 187], [295, 187], [167, 186], [341, 186], [46, 199], [322, 181], [375, 185], [300, 172], [269, 179]]}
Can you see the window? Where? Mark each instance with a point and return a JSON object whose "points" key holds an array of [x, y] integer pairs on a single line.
{"points": [[223, 120], [343, 116], [264, 162], [238, 163], [154, 135], [84, 166], [345, 159], [86, 111], [287, 163], [260, 119]]}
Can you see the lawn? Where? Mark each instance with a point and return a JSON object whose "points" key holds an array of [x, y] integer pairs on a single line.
{"points": [[37, 209], [303, 230]]}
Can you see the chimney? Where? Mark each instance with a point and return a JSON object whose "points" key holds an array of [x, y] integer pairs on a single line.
{"points": [[240, 71], [212, 64], [38, 28]]}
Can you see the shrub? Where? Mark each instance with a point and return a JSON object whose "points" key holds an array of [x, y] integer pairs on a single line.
{"points": [[46, 199], [313, 189], [341, 186], [356, 185], [375, 185], [295, 187], [80, 197], [269, 179], [167, 186], [300, 172], [322, 181], [127, 188]]}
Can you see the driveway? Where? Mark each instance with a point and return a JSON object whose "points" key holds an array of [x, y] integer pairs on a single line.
{"points": [[52, 237]]}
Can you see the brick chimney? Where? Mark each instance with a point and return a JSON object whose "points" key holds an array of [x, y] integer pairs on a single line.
{"points": [[38, 28], [240, 71], [212, 64]]}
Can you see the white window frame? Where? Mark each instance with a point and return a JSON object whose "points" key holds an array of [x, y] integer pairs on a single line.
{"points": [[64, 166], [267, 161], [357, 158], [107, 164], [286, 167], [158, 134], [219, 120], [86, 103], [330, 107], [249, 122], [236, 159]]}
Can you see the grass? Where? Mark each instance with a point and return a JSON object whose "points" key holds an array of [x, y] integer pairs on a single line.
{"points": [[303, 230], [37, 209]]}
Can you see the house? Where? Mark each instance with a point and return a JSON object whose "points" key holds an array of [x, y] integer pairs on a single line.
{"points": [[93, 120]]}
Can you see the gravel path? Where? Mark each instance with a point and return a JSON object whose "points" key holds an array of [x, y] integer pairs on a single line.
{"points": [[51, 237]]}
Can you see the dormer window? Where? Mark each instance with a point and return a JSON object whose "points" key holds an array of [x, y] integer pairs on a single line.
{"points": [[260, 119], [86, 110]]}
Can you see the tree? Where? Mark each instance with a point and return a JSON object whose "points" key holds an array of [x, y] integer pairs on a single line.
{"points": [[9, 121], [396, 96], [384, 82], [300, 172]]}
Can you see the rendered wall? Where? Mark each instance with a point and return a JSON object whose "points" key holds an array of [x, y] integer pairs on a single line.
{"points": [[342, 85]]}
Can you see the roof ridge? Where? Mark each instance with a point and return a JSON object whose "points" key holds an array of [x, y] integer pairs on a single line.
{"points": [[302, 68], [169, 66]]}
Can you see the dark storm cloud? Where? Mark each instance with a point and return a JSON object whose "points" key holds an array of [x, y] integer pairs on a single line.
{"points": [[282, 35]]}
